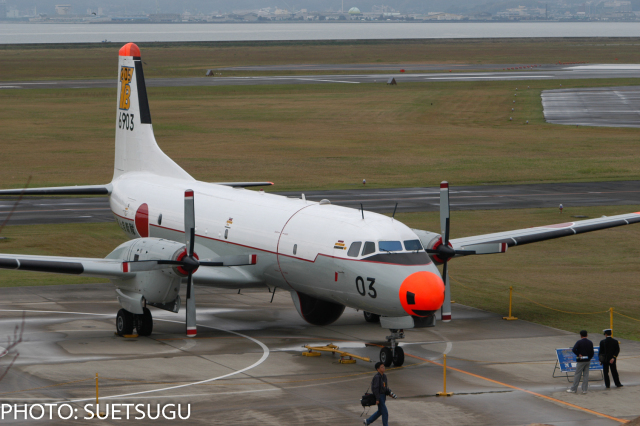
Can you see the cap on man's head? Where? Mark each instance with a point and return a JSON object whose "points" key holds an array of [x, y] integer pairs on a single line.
{"points": [[607, 332], [378, 364], [583, 333]]}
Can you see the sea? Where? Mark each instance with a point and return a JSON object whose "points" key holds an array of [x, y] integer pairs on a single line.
{"points": [[19, 33]]}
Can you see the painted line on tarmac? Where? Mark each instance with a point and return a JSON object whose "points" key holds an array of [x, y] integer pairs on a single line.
{"points": [[265, 355], [539, 395]]}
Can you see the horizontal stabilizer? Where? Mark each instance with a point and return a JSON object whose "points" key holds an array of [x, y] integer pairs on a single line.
{"points": [[243, 184], [61, 190]]}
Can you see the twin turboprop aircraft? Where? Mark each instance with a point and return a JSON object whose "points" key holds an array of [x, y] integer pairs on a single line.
{"points": [[220, 234]]}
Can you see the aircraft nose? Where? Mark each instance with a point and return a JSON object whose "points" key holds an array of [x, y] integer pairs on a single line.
{"points": [[422, 293]]}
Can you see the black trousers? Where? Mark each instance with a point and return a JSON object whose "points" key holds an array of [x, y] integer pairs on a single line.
{"points": [[614, 373]]}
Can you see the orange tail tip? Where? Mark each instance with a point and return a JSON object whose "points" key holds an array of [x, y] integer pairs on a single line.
{"points": [[130, 49]]}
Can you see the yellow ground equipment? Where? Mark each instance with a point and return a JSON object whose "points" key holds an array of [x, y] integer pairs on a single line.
{"points": [[345, 357]]}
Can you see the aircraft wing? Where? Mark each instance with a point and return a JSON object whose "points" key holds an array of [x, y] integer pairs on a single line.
{"points": [[501, 240], [99, 268]]}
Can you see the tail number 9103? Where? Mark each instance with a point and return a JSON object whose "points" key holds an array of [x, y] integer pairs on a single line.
{"points": [[125, 121], [360, 286]]}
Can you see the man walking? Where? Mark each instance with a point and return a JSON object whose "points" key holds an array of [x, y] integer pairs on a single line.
{"points": [[609, 351], [584, 352], [380, 389]]}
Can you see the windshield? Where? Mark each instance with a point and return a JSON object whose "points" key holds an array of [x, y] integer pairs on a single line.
{"points": [[390, 245], [411, 245]]}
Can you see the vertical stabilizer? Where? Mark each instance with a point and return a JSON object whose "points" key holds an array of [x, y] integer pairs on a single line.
{"points": [[136, 147]]}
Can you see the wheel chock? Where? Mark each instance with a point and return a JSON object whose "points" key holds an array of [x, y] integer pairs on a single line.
{"points": [[347, 360], [127, 336], [310, 353]]}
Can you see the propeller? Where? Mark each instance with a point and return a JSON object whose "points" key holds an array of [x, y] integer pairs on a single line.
{"points": [[443, 251], [188, 262]]}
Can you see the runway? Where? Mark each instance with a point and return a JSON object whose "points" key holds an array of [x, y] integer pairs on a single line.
{"points": [[601, 106], [245, 366], [33, 211], [544, 73]]}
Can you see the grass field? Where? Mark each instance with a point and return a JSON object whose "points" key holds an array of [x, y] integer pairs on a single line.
{"points": [[41, 62], [320, 136], [585, 273]]}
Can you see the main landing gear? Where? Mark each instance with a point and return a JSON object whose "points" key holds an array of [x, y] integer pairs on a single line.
{"points": [[393, 354], [127, 321]]}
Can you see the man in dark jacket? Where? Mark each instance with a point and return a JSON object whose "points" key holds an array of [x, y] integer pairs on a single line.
{"points": [[380, 389], [584, 352], [609, 351]]}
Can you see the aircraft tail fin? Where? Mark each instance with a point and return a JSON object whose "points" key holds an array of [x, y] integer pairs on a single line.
{"points": [[136, 147]]}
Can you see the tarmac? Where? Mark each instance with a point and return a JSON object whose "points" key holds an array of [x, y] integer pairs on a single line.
{"points": [[245, 366], [32, 211], [600, 106], [544, 72]]}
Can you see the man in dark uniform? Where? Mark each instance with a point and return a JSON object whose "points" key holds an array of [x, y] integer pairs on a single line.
{"points": [[380, 389], [584, 352], [609, 351]]}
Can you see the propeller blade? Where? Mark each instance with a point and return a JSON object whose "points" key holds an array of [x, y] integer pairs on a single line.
{"points": [[189, 221], [446, 233], [444, 209], [191, 308], [445, 311]]}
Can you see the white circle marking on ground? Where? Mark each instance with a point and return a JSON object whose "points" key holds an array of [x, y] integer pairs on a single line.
{"points": [[265, 355]]}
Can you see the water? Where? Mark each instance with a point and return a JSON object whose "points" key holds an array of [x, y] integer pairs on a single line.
{"points": [[16, 33]]}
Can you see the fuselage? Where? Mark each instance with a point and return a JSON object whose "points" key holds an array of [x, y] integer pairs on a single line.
{"points": [[326, 251]]}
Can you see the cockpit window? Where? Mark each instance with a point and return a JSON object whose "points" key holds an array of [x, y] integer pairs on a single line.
{"points": [[354, 250], [369, 247], [390, 245], [411, 245]]}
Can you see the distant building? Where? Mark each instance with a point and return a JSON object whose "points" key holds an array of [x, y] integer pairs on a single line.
{"points": [[164, 17], [63, 9], [3, 11], [354, 11]]}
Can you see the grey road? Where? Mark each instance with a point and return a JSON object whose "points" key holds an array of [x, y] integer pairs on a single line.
{"points": [[249, 350], [553, 73], [598, 106], [85, 210]]}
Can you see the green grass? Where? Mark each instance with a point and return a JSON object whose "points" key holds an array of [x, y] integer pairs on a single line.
{"points": [[307, 137], [584, 273], [77, 61]]}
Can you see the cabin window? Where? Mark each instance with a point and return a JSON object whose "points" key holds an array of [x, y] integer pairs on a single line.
{"points": [[295, 249], [354, 249], [160, 219], [390, 246], [369, 247], [226, 234], [412, 245]]}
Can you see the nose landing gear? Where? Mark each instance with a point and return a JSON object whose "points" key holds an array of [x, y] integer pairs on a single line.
{"points": [[393, 354]]}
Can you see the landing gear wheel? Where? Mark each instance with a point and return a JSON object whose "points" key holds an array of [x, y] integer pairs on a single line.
{"points": [[145, 323], [386, 357], [124, 322], [369, 317], [398, 356]]}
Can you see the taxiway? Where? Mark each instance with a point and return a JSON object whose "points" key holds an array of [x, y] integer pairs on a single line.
{"points": [[31, 211], [245, 366]]}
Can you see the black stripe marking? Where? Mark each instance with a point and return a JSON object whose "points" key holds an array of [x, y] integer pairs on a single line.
{"points": [[8, 264], [61, 191], [51, 266], [411, 298], [143, 101], [420, 258]]}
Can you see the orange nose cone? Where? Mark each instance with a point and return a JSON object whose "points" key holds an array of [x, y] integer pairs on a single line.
{"points": [[130, 49], [421, 293]]}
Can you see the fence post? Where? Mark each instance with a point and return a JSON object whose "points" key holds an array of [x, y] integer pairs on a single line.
{"points": [[510, 317], [444, 365], [611, 320]]}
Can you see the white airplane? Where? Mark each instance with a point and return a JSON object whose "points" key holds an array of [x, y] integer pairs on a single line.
{"points": [[326, 256]]}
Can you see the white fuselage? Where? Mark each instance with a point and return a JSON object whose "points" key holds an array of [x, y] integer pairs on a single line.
{"points": [[301, 245]]}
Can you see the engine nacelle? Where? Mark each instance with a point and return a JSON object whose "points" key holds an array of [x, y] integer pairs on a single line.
{"points": [[429, 240], [158, 287], [316, 311]]}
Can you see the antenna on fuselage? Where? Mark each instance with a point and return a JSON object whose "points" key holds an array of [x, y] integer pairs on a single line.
{"points": [[304, 198], [362, 211], [394, 211]]}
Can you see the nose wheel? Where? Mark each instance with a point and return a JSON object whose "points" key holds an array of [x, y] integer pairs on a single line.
{"points": [[393, 354]]}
